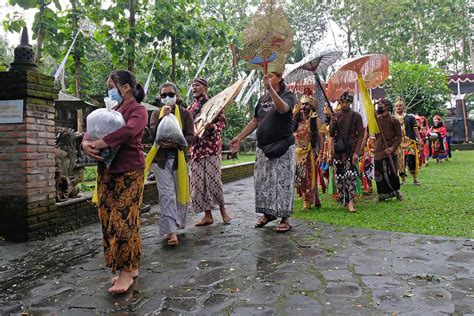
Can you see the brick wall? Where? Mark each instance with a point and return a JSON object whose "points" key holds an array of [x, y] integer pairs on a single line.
{"points": [[237, 172], [27, 158], [78, 212]]}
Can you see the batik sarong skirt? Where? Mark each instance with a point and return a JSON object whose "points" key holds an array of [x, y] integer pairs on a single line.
{"points": [[120, 198], [274, 184], [206, 183], [346, 180]]}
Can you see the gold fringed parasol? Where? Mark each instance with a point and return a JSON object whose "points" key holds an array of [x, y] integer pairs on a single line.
{"points": [[268, 38], [373, 68], [215, 105]]}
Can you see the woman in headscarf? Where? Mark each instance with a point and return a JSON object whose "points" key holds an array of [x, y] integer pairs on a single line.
{"points": [[206, 183]]}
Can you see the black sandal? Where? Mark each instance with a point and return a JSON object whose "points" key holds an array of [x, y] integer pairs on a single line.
{"points": [[262, 221]]}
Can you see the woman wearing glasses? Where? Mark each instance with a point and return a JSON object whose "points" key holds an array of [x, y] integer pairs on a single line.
{"points": [[165, 166]]}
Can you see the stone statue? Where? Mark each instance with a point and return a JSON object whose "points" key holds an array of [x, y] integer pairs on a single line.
{"points": [[67, 148]]}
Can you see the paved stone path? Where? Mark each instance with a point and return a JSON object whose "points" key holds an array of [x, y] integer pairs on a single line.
{"points": [[239, 270]]}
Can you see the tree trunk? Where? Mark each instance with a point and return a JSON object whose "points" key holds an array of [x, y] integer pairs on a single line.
{"points": [[463, 52], [40, 35], [77, 65], [349, 44], [131, 35], [467, 6], [455, 58], [469, 38], [173, 59]]}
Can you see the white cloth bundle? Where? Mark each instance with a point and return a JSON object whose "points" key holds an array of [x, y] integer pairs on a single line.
{"points": [[170, 131], [100, 123]]}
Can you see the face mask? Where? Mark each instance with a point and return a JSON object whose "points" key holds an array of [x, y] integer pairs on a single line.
{"points": [[380, 109], [114, 95], [169, 101]]}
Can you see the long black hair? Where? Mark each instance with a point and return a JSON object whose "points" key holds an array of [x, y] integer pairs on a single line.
{"points": [[121, 77]]}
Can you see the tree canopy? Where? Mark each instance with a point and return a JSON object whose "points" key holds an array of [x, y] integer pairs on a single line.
{"points": [[129, 34]]}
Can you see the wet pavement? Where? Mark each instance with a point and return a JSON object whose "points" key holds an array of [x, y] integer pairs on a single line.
{"points": [[239, 270]]}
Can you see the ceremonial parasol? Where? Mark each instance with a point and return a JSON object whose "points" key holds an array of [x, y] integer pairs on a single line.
{"points": [[310, 66], [211, 109], [268, 37], [373, 69], [367, 71]]}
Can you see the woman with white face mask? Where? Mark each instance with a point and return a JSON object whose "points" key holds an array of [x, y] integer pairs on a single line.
{"points": [[165, 165]]}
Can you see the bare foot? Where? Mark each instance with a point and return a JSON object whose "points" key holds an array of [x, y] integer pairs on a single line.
{"points": [[173, 240], [206, 220], [122, 284], [351, 207], [115, 278], [226, 219]]}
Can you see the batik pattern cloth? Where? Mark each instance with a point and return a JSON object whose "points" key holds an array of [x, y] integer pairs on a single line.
{"points": [[346, 180], [206, 183], [120, 198], [274, 184]]}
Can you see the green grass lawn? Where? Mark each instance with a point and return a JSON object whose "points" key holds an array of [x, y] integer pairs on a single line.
{"points": [[242, 157], [90, 171], [442, 205]]}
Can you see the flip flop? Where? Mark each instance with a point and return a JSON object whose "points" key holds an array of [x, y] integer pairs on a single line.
{"points": [[260, 222], [227, 222], [282, 228]]}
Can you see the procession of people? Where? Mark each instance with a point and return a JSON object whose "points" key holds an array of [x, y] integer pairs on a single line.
{"points": [[294, 149]]}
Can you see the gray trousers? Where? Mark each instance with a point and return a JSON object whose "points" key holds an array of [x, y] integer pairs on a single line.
{"points": [[173, 214]]}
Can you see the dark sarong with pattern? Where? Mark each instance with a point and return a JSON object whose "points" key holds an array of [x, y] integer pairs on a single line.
{"points": [[274, 184], [346, 176], [206, 183], [388, 183], [120, 198]]}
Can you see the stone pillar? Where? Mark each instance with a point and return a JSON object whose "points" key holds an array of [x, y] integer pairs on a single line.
{"points": [[27, 149]]}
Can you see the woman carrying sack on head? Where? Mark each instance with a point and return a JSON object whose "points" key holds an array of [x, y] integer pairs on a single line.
{"points": [[169, 165], [275, 164], [120, 186]]}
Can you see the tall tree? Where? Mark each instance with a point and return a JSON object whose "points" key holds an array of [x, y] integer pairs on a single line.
{"points": [[424, 88], [131, 36]]}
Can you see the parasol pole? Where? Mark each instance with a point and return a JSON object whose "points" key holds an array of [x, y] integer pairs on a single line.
{"points": [[390, 159], [318, 82]]}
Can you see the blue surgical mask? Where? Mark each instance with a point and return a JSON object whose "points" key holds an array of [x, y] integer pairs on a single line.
{"points": [[115, 95]]}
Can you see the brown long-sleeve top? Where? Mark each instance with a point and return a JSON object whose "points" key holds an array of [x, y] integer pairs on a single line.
{"points": [[343, 126], [187, 123], [392, 131], [130, 156]]}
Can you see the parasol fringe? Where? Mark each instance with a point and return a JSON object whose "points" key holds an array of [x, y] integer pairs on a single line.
{"points": [[374, 69]]}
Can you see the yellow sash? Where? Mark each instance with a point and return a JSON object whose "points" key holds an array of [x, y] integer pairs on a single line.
{"points": [[182, 172]]}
